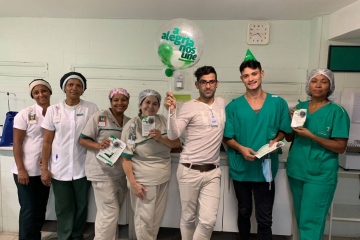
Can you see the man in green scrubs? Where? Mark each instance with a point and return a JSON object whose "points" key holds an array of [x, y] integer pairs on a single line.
{"points": [[253, 120], [312, 165]]}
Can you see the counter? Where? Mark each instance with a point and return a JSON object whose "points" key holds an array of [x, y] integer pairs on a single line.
{"points": [[227, 216]]}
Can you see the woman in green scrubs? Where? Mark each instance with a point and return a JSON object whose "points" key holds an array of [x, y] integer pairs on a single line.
{"points": [[312, 165]]}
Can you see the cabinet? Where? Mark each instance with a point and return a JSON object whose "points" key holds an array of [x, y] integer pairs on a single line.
{"points": [[332, 218], [51, 215], [282, 210], [9, 189]]}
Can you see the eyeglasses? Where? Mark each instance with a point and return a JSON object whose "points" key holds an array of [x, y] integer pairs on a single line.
{"points": [[204, 82]]}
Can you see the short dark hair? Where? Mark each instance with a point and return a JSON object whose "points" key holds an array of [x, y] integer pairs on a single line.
{"points": [[205, 70], [253, 64]]}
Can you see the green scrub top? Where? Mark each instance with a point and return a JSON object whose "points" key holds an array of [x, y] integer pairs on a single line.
{"points": [[308, 160], [253, 130]]}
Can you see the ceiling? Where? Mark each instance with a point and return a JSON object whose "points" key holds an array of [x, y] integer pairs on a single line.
{"points": [[170, 9]]}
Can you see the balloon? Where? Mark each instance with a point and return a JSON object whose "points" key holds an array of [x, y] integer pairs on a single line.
{"points": [[165, 52], [169, 72], [176, 74], [176, 61], [179, 43]]}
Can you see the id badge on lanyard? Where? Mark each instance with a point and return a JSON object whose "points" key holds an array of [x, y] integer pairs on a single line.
{"points": [[213, 120], [57, 116]]}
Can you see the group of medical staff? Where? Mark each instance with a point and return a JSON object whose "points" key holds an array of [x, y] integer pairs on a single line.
{"points": [[57, 145]]}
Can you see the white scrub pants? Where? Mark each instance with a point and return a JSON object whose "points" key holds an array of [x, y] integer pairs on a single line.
{"points": [[201, 188], [108, 198], [148, 213]]}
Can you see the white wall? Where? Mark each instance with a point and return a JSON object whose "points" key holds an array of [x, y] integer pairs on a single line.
{"points": [[345, 20], [61, 44]]}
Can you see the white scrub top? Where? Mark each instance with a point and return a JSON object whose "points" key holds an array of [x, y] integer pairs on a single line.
{"points": [[67, 161], [32, 144]]}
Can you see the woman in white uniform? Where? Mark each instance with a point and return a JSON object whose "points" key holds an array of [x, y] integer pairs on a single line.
{"points": [[147, 164], [65, 170], [28, 140], [109, 182]]}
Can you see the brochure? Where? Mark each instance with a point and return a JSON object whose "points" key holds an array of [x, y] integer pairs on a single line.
{"points": [[148, 123], [266, 149], [111, 154], [298, 118]]}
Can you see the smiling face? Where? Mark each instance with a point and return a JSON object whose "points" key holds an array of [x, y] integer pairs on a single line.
{"points": [[207, 85], [73, 89], [119, 103], [252, 78], [149, 106], [41, 95], [319, 86]]}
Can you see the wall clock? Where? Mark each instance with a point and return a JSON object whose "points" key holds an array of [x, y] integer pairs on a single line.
{"points": [[258, 33]]}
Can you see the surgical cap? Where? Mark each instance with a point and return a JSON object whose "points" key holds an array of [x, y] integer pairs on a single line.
{"points": [[119, 91], [148, 92], [327, 73]]}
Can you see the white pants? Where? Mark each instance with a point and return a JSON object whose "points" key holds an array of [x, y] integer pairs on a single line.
{"points": [[108, 198], [201, 188], [148, 213]]}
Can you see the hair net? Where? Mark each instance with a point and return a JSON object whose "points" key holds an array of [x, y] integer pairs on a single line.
{"points": [[148, 92], [327, 73], [119, 91]]}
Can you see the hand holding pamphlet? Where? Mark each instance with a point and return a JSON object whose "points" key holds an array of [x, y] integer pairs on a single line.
{"points": [[111, 154], [298, 118], [266, 149]]}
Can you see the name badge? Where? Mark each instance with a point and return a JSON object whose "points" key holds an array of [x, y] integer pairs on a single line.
{"points": [[57, 118], [32, 118], [132, 135], [102, 121], [213, 121]]}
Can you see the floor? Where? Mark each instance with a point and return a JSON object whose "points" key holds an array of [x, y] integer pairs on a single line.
{"points": [[49, 233]]}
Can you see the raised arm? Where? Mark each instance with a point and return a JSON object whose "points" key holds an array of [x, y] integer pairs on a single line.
{"points": [[176, 125]]}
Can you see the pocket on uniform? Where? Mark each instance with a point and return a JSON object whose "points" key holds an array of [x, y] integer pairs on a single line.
{"points": [[272, 132], [150, 193], [315, 166], [181, 171], [239, 164], [323, 133]]}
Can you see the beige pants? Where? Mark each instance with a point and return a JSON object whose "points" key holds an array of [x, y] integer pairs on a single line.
{"points": [[203, 189], [148, 213], [108, 198]]}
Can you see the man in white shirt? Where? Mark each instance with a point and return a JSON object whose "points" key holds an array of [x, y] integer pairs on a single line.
{"points": [[198, 172]]}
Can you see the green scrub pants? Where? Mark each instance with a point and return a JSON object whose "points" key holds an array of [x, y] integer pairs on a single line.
{"points": [[311, 205], [71, 198]]}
